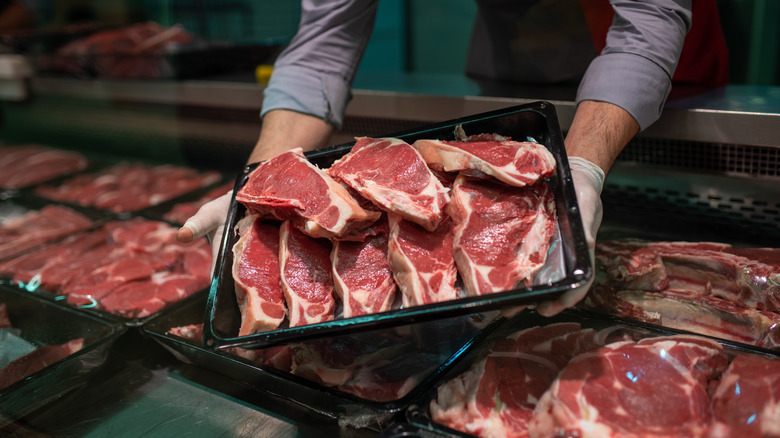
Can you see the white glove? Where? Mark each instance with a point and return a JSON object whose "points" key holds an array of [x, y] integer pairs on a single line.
{"points": [[209, 221], [588, 182]]}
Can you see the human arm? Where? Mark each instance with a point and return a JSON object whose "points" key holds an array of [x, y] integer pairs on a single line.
{"points": [[622, 93], [306, 97]]}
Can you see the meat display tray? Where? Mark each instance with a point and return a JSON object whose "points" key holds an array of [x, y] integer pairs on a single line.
{"points": [[44, 322], [568, 262], [440, 344], [417, 420]]}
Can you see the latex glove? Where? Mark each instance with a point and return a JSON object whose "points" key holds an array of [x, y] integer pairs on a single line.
{"points": [[588, 182], [209, 221]]}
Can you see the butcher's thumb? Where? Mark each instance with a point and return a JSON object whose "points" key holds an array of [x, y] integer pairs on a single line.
{"points": [[588, 182], [209, 218]]}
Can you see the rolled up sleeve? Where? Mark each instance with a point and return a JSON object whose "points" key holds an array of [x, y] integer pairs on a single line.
{"points": [[634, 71], [314, 74]]}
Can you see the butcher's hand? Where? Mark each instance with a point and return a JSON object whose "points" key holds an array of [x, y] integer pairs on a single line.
{"points": [[209, 221], [588, 182]]}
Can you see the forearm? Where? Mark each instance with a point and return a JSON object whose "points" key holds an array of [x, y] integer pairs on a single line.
{"points": [[599, 132], [283, 130]]}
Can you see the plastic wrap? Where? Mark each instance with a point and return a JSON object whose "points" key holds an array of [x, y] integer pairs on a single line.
{"points": [[362, 379], [587, 375], [567, 265], [40, 322], [709, 288]]}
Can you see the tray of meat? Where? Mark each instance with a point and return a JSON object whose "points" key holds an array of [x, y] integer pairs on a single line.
{"points": [[125, 269], [127, 187], [26, 224], [461, 217], [26, 165], [362, 379], [703, 276], [47, 350], [150, 51], [587, 375]]}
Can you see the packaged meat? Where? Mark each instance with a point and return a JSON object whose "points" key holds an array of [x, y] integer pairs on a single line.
{"points": [[23, 166], [130, 269], [585, 374], [28, 228], [47, 350], [128, 187], [421, 257], [709, 288]]}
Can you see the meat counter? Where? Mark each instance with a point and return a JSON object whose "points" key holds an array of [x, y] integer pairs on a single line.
{"points": [[712, 158]]}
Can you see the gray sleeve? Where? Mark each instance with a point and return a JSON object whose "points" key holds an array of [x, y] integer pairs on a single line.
{"points": [[634, 71], [314, 74]]}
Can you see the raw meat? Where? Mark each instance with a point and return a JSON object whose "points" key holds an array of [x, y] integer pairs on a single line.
{"points": [[653, 387], [746, 277], [683, 310], [362, 275], [306, 277], [136, 51], [422, 262], [128, 187], [502, 233], [25, 165], [180, 212], [289, 187], [746, 403], [27, 267], [390, 173], [139, 299], [498, 394], [515, 163], [131, 268], [36, 227], [257, 276], [377, 366], [39, 359]]}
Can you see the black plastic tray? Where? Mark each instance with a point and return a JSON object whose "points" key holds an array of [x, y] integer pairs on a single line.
{"points": [[44, 322], [443, 341], [536, 120], [417, 421]]}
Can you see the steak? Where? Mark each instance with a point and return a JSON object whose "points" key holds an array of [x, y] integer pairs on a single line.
{"points": [[362, 275], [257, 276], [306, 278], [746, 277], [36, 227], [25, 165], [683, 310], [392, 175], [128, 186], [515, 163], [502, 233], [138, 260], [746, 402], [289, 187], [422, 262], [139, 299], [653, 387], [497, 395]]}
